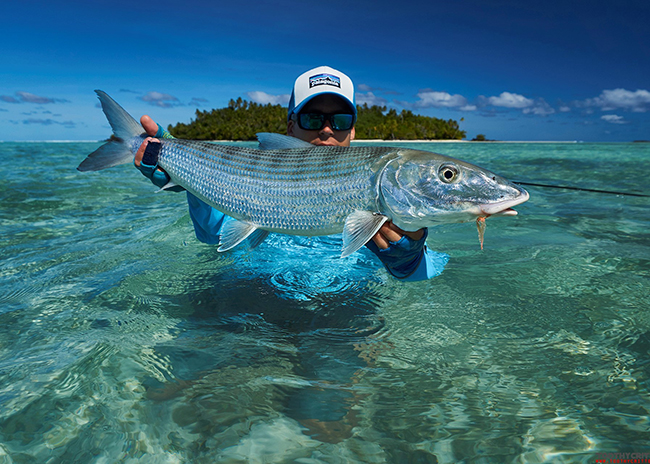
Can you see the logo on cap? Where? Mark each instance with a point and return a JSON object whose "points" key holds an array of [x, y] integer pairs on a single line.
{"points": [[324, 79]]}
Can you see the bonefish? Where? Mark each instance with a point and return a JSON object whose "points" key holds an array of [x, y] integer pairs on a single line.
{"points": [[292, 187]]}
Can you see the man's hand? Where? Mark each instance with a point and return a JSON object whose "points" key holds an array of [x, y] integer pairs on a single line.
{"points": [[400, 251], [389, 232], [151, 128], [146, 158]]}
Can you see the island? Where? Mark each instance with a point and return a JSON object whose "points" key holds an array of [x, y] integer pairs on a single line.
{"points": [[242, 119]]}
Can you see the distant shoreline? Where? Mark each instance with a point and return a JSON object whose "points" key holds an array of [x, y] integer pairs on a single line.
{"points": [[440, 141], [354, 142], [473, 141]]}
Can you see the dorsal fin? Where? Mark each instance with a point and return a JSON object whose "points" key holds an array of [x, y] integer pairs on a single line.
{"points": [[269, 141]]}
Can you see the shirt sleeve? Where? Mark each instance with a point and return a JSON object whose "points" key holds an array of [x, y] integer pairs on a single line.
{"points": [[430, 265], [407, 260], [410, 260], [207, 220]]}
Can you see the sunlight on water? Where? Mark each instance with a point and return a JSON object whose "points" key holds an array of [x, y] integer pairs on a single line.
{"points": [[123, 339]]}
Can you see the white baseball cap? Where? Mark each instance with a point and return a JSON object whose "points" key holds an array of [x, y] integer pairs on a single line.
{"points": [[319, 81]]}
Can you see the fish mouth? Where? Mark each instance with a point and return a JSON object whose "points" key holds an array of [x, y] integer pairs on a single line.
{"points": [[503, 208]]}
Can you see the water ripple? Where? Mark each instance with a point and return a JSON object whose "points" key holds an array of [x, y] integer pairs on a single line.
{"points": [[123, 339]]}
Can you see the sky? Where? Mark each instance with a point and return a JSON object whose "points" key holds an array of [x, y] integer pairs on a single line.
{"points": [[567, 70]]}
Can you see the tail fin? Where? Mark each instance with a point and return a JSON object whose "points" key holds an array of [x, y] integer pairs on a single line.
{"points": [[116, 151]]}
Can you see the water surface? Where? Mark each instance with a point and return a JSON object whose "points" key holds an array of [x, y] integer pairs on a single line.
{"points": [[124, 339]]}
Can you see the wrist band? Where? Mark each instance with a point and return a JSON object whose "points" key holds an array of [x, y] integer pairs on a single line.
{"points": [[149, 165], [163, 134], [150, 156], [159, 178]]}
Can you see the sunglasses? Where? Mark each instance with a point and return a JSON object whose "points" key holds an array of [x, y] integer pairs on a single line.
{"points": [[316, 121]]}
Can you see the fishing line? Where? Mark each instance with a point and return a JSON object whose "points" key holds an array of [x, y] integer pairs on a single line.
{"points": [[567, 187]]}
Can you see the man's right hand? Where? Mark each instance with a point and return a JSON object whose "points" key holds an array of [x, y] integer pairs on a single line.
{"points": [[146, 158], [151, 128]]}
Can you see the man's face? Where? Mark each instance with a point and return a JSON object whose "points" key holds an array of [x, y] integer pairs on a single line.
{"points": [[325, 104]]}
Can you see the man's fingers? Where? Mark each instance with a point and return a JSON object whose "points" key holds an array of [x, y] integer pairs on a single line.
{"points": [[380, 241], [140, 153], [150, 127], [417, 235], [386, 234], [389, 232]]}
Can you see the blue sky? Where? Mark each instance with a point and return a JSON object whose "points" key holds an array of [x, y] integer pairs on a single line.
{"points": [[513, 70]]}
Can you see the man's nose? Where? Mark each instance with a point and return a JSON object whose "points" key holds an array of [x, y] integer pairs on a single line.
{"points": [[327, 128]]}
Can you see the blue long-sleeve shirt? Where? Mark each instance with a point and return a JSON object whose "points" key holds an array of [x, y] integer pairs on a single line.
{"points": [[407, 259]]}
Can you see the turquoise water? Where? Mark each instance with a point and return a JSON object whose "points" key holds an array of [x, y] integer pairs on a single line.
{"points": [[123, 339]]}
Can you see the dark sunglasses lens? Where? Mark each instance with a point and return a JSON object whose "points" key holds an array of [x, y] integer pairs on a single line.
{"points": [[310, 121], [341, 121], [315, 121]]}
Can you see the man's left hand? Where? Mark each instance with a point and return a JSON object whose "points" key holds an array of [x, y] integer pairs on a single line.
{"points": [[389, 232]]}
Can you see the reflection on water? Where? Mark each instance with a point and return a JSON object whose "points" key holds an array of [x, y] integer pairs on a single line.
{"points": [[122, 339]]}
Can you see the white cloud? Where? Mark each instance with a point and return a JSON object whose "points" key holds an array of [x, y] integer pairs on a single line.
{"points": [[432, 99], [370, 99], [539, 108], [367, 88], [637, 101], [516, 101], [613, 118], [162, 100], [9, 99], [31, 98], [26, 97], [264, 98], [510, 100], [198, 101], [49, 122]]}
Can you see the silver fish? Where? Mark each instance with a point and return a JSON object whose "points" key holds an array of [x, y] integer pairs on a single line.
{"points": [[290, 186]]}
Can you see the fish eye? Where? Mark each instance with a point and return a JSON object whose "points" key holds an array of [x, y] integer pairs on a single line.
{"points": [[448, 173]]}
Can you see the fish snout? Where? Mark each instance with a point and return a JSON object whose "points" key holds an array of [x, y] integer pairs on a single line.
{"points": [[503, 207]]}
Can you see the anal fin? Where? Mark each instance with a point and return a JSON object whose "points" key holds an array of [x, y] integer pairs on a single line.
{"points": [[234, 232]]}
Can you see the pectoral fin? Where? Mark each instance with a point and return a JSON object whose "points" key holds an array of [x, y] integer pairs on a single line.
{"points": [[257, 237], [235, 232], [167, 186], [360, 227]]}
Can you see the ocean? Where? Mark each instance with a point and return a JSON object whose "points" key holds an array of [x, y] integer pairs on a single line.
{"points": [[124, 339]]}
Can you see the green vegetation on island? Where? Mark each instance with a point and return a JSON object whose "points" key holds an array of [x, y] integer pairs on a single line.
{"points": [[376, 122], [241, 120]]}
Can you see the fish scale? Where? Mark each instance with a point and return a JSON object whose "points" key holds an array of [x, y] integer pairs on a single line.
{"points": [[319, 187]]}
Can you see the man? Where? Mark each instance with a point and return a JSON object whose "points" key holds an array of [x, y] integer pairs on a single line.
{"points": [[322, 112]]}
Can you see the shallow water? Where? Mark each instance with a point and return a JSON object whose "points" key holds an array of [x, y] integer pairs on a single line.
{"points": [[123, 339]]}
